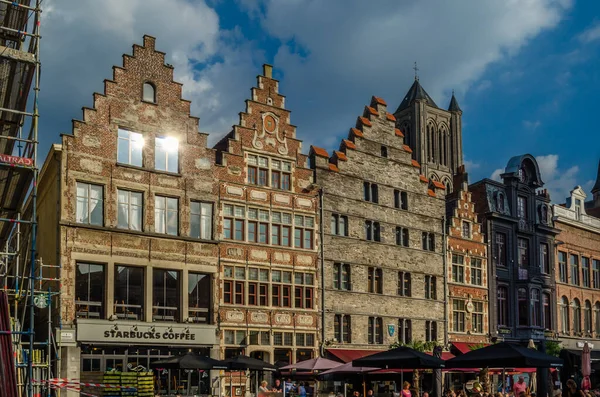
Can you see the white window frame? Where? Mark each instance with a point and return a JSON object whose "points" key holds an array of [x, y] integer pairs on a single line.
{"points": [[161, 148], [133, 140], [130, 208], [88, 200], [204, 218], [164, 214]]}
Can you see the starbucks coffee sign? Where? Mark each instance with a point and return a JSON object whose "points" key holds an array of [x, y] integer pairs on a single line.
{"points": [[121, 332]]}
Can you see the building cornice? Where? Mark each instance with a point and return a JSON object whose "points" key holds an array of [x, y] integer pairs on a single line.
{"points": [[568, 217]]}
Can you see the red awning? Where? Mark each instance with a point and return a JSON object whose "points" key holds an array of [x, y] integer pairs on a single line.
{"points": [[465, 347], [347, 355]]}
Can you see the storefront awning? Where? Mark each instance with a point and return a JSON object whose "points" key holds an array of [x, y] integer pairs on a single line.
{"points": [[347, 355], [465, 347]]}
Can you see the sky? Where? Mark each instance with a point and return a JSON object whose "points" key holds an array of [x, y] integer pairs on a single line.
{"points": [[526, 73]]}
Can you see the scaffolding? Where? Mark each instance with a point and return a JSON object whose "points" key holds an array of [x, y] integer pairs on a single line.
{"points": [[31, 286]]}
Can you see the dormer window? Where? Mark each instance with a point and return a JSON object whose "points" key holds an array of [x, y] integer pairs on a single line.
{"points": [[577, 209], [149, 93]]}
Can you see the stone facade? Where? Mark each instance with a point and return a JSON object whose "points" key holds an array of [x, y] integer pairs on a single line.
{"points": [[268, 231], [101, 193], [380, 284], [577, 273], [467, 268]]}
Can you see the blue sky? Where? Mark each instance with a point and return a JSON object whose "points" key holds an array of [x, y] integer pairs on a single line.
{"points": [[526, 72]]}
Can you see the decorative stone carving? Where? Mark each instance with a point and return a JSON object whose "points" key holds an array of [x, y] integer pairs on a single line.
{"points": [[259, 317], [281, 199], [235, 252], [234, 316], [258, 195], [282, 257], [282, 318], [304, 320], [259, 254], [235, 190], [302, 202]]}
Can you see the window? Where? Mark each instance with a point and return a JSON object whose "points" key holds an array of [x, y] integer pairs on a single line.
{"points": [[500, 248], [370, 192], [129, 293], [430, 331], [596, 273], [576, 316], [523, 252], [281, 228], [545, 262], [201, 220], [400, 199], [89, 290], [522, 207], [476, 271], [577, 209], [466, 229], [477, 318], [375, 280], [262, 338], [547, 311], [90, 204], [165, 295], [428, 241], [564, 315], [458, 268], [597, 317], [585, 271], [502, 306], [342, 328], [130, 212], [302, 339], [404, 287], [281, 174], [384, 151], [402, 236], [574, 259], [375, 333], [404, 330], [199, 297], [536, 316], [341, 276], [129, 147], [562, 266], [166, 154], [587, 318], [258, 170], [233, 285], [523, 306], [303, 290], [233, 223], [458, 315], [281, 288], [430, 287], [258, 287], [339, 225], [166, 215], [258, 227], [149, 93], [372, 231], [303, 231]]}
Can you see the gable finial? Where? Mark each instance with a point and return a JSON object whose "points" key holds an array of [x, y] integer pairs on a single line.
{"points": [[416, 69]]}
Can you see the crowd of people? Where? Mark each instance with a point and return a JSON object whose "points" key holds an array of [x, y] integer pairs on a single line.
{"points": [[302, 389]]}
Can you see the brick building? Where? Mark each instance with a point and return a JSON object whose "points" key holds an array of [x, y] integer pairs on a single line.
{"points": [[467, 269], [129, 195], [268, 267], [383, 238], [577, 273]]}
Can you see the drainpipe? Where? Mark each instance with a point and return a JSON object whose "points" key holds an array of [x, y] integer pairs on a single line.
{"points": [[445, 261], [322, 245]]}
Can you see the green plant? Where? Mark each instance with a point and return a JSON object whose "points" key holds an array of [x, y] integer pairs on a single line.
{"points": [[476, 346], [553, 348]]}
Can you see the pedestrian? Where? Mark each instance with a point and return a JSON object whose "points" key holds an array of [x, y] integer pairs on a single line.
{"points": [[406, 390], [520, 386]]}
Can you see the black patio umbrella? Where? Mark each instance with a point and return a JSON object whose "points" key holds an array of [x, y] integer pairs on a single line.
{"points": [[504, 355], [242, 362], [189, 361], [400, 358]]}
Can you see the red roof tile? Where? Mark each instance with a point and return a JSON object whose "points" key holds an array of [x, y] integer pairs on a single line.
{"points": [[349, 144], [399, 133], [357, 132], [340, 155], [372, 111], [423, 179], [379, 100], [407, 148], [320, 152], [439, 185], [415, 163], [333, 167], [365, 121], [390, 117], [430, 192]]}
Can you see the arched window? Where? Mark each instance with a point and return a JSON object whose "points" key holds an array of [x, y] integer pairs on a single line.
{"points": [[597, 318], [149, 93], [576, 316], [564, 315], [536, 320], [430, 143], [440, 147], [587, 317]]}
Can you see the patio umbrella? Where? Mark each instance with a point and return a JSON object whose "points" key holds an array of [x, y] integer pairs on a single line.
{"points": [[314, 364], [242, 363], [504, 355], [188, 361], [533, 378], [400, 358], [350, 369], [586, 360]]}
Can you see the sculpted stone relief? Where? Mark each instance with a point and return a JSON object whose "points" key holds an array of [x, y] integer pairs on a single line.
{"points": [[271, 134]]}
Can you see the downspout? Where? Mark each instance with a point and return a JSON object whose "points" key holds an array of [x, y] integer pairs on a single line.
{"points": [[322, 245], [444, 251]]}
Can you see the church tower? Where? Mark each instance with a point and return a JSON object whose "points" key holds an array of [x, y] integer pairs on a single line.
{"points": [[434, 134]]}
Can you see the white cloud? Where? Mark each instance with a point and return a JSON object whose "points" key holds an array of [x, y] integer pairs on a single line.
{"points": [[471, 165], [496, 174], [531, 124], [482, 86], [590, 34]]}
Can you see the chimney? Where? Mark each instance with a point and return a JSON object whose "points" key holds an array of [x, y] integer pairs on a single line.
{"points": [[268, 71]]}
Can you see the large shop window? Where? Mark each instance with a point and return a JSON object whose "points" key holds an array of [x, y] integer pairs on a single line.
{"points": [[130, 212], [201, 220], [130, 145], [166, 154], [199, 297], [166, 215], [89, 290], [165, 294], [129, 292], [89, 204]]}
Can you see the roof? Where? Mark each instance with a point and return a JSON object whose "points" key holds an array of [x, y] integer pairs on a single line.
{"points": [[320, 151], [416, 92], [379, 100], [439, 185], [453, 107], [597, 185]]}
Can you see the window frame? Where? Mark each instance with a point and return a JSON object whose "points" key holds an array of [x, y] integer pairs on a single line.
{"points": [[88, 202], [458, 269], [203, 219], [160, 143], [165, 214], [153, 87], [129, 209], [132, 136]]}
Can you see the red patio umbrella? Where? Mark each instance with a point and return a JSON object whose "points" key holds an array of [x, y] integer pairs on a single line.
{"points": [[314, 364]]}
